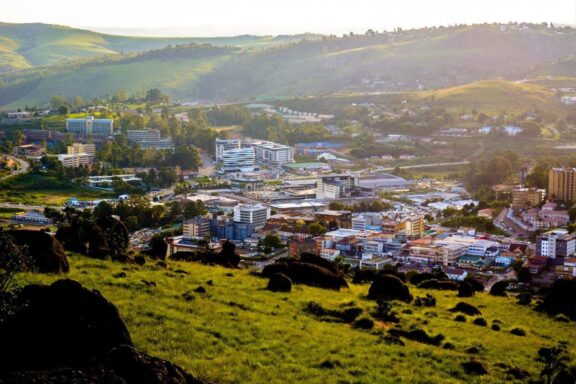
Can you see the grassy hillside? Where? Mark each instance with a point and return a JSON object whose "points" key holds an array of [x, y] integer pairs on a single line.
{"points": [[494, 95], [28, 45], [240, 333], [410, 60]]}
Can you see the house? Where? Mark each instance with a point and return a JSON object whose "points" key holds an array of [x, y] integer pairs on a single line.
{"points": [[329, 253], [537, 264], [457, 274], [487, 213], [300, 245], [568, 269]]}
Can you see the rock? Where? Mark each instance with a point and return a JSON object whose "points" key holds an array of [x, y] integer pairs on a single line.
{"points": [[388, 287], [67, 334], [316, 276], [474, 367], [46, 253], [279, 283], [466, 308]]}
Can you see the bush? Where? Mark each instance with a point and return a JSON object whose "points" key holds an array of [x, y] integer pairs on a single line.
{"points": [[495, 327], [465, 289], [466, 308], [499, 288], [387, 287], [439, 284], [346, 316], [524, 298], [426, 301], [279, 283], [363, 323], [476, 284], [272, 269], [474, 367], [480, 321], [418, 335], [316, 276], [518, 331], [560, 299], [460, 318], [384, 312]]}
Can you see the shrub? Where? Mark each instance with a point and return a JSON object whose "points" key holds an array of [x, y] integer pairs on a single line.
{"points": [[385, 313], [448, 346], [480, 321], [271, 269], [560, 299], [418, 335], [460, 318], [364, 323], [426, 301], [518, 331], [499, 288], [524, 298], [476, 284], [465, 289], [495, 327], [466, 308], [474, 367], [387, 287], [314, 275], [279, 283]]}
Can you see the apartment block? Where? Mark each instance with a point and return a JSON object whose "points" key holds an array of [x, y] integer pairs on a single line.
{"points": [[251, 214], [562, 184], [78, 148], [335, 186], [196, 227], [89, 126], [523, 198]]}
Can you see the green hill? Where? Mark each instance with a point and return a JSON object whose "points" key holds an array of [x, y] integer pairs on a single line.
{"points": [[237, 332], [29, 45], [285, 66], [494, 95]]}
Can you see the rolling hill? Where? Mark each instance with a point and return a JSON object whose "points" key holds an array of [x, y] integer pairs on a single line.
{"points": [[289, 66], [30, 45]]}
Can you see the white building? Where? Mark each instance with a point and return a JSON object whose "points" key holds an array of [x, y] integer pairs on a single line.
{"points": [[225, 145], [75, 160], [273, 153], [238, 160], [149, 139], [335, 186], [196, 227], [251, 214], [90, 126], [78, 148]]}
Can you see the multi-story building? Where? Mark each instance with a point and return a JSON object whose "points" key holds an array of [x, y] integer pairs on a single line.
{"points": [[230, 230], [335, 186], [238, 160], [446, 255], [413, 226], [137, 135], [567, 270], [341, 218], [78, 148], [226, 145], [562, 184], [253, 214], [557, 244], [196, 227], [89, 126], [76, 160], [273, 153], [527, 198], [29, 150]]}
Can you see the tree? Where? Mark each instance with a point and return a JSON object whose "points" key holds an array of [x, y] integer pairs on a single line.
{"points": [[194, 208], [12, 260], [155, 96], [554, 360], [77, 101], [316, 229], [102, 210], [272, 240], [523, 274], [63, 110]]}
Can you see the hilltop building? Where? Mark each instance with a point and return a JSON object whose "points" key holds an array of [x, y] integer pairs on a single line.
{"points": [[89, 126]]}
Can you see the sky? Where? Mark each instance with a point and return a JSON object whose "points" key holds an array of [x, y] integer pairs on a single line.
{"points": [[234, 17]]}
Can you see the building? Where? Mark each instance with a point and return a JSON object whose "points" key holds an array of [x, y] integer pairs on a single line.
{"points": [[225, 145], [568, 269], [557, 244], [436, 254], [76, 160], [138, 135], [335, 186], [414, 226], [106, 182], [196, 227], [547, 217], [89, 126], [343, 219], [29, 150], [222, 228], [149, 139], [273, 153], [457, 274], [246, 184], [562, 184], [238, 160], [301, 245], [307, 167], [78, 148], [523, 198], [252, 214], [32, 217]]}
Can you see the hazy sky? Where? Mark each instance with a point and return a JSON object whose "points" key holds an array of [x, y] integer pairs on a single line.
{"points": [[232, 17]]}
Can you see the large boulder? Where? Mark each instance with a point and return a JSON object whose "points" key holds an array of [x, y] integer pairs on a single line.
{"points": [[321, 262], [279, 283], [388, 287], [314, 275], [272, 269], [65, 333], [46, 253], [561, 298]]}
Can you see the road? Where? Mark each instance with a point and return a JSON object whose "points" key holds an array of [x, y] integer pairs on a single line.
{"points": [[23, 168], [430, 165], [506, 276]]}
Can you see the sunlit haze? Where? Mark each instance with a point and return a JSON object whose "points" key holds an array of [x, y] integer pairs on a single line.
{"points": [[232, 17]]}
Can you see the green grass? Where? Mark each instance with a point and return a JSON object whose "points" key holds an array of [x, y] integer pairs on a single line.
{"points": [[38, 189], [240, 333]]}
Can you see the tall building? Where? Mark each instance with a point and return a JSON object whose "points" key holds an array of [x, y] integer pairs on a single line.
{"points": [[225, 145], [273, 153], [414, 226], [89, 126], [562, 184], [75, 160], [196, 227], [335, 186], [252, 214], [78, 148], [137, 135], [238, 160], [556, 244], [527, 197]]}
